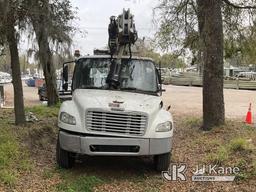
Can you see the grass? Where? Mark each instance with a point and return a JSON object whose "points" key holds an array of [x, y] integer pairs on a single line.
{"points": [[48, 173], [12, 158], [193, 122], [239, 144], [80, 184], [229, 145], [219, 157], [223, 152], [43, 111], [254, 168], [8, 177], [232, 144], [86, 180], [237, 152]]}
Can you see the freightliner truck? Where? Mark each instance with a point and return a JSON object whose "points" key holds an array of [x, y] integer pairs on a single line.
{"points": [[116, 107]]}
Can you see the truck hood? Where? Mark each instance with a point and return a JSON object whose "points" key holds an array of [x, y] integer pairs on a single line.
{"points": [[127, 101]]}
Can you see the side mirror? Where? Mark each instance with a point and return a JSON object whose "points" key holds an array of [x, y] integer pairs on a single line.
{"points": [[159, 76], [65, 73], [160, 89]]}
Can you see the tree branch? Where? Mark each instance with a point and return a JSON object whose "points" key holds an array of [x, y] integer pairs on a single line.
{"points": [[239, 6]]}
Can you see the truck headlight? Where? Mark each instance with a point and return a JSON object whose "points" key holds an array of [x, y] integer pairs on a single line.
{"points": [[164, 127], [66, 118]]}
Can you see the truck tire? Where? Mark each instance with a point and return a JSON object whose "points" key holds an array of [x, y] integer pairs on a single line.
{"points": [[64, 158], [162, 162]]}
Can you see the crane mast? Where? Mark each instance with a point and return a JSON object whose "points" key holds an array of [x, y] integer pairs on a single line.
{"points": [[122, 34]]}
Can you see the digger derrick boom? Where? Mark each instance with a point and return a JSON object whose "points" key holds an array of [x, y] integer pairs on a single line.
{"points": [[122, 34]]}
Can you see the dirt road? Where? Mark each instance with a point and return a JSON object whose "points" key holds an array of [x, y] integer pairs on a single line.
{"points": [[183, 100], [188, 100], [29, 93]]}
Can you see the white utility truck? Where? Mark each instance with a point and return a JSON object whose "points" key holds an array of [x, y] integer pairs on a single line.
{"points": [[116, 110]]}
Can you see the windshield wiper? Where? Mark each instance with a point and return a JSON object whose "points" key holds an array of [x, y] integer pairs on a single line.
{"points": [[138, 90], [90, 87], [128, 88]]}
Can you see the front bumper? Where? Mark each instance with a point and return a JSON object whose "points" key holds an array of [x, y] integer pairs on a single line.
{"points": [[96, 145]]}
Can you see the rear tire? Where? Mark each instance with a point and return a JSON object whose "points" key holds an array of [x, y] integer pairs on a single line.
{"points": [[162, 162], [64, 158]]}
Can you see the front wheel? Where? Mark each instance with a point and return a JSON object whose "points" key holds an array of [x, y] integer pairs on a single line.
{"points": [[162, 162], [63, 157]]}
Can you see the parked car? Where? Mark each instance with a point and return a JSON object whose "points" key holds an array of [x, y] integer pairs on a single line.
{"points": [[248, 75], [42, 93], [31, 82], [5, 78]]}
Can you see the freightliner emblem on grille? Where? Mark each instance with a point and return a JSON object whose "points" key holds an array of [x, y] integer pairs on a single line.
{"points": [[116, 105]]}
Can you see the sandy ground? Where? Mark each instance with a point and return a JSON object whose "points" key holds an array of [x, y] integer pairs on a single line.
{"points": [[188, 100], [29, 93], [183, 100]]}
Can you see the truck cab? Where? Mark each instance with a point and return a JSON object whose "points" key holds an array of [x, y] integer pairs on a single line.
{"points": [[126, 121]]}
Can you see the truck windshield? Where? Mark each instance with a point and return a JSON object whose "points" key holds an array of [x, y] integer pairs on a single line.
{"points": [[136, 75]]}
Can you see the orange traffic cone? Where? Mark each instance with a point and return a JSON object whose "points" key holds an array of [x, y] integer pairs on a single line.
{"points": [[248, 119]]}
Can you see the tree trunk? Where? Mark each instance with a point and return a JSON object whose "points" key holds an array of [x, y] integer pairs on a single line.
{"points": [[48, 68], [200, 61], [45, 56], [211, 32], [15, 65]]}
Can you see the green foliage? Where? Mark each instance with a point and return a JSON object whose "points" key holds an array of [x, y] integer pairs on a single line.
{"points": [[239, 144], [48, 173], [220, 156], [193, 122], [226, 154], [12, 158], [254, 168], [8, 155], [80, 184], [241, 176], [171, 60], [176, 20], [241, 48], [58, 17], [8, 177], [44, 111], [5, 59], [178, 28]]}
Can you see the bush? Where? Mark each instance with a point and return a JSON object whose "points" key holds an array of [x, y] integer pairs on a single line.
{"points": [[239, 144], [220, 156]]}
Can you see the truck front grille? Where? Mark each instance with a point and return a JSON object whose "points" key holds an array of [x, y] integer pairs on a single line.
{"points": [[127, 123]]}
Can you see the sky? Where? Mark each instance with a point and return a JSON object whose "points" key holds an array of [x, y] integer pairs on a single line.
{"points": [[94, 19]]}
